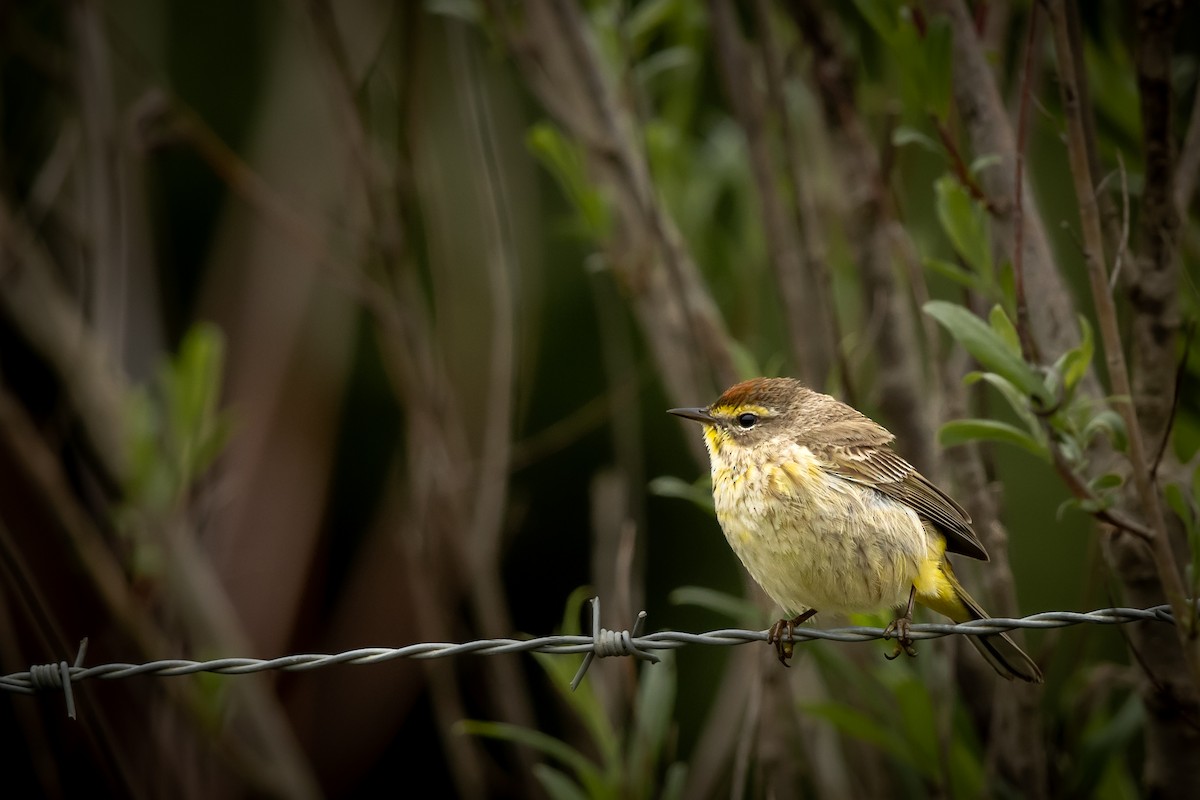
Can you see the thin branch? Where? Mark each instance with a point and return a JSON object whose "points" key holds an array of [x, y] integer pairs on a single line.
{"points": [[1180, 373], [959, 166], [337, 61], [890, 331], [49, 322], [1187, 171], [161, 120], [1078, 487], [791, 277], [104, 179], [1108, 211], [1123, 241], [1154, 286], [989, 130], [490, 488], [554, 48], [1029, 347], [277, 767], [1164, 558], [813, 246]]}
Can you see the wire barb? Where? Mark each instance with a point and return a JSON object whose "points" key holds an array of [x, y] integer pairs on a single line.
{"points": [[612, 643], [602, 643], [49, 676]]}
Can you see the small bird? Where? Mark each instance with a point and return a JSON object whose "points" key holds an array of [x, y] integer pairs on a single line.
{"points": [[825, 516]]}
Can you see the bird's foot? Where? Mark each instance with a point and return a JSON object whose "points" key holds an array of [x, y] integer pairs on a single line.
{"points": [[899, 631], [783, 643]]}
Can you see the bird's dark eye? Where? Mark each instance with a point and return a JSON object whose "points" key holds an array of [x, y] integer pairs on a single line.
{"points": [[747, 420]]}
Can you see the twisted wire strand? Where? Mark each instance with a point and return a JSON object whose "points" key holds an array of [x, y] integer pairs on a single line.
{"points": [[602, 643]]}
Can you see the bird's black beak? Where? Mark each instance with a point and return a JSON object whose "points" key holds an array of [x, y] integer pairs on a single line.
{"points": [[697, 414]]}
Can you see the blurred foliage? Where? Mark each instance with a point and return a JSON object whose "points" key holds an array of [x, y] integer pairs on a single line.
{"points": [[176, 428], [176, 432], [634, 760], [323, 285]]}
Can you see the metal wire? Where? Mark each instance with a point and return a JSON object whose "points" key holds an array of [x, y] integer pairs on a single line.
{"points": [[602, 643]]}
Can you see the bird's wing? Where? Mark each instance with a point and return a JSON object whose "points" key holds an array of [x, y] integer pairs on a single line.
{"points": [[871, 463]]}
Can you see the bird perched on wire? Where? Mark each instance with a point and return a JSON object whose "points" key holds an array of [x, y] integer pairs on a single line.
{"points": [[826, 516]]}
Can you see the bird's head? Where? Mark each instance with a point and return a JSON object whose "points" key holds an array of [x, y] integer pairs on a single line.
{"points": [[753, 413]]}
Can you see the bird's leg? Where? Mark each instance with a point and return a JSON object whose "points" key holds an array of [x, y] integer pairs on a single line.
{"points": [[899, 629], [783, 644]]}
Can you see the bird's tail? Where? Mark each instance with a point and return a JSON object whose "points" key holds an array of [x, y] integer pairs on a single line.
{"points": [[998, 649]]}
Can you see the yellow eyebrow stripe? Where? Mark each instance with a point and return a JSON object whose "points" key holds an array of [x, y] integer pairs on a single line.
{"points": [[729, 410]]}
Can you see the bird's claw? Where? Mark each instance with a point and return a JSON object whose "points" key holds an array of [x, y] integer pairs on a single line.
{"points": [[783, 644], [898, 629]]}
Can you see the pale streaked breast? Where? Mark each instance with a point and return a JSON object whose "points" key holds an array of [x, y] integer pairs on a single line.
{"points": [[813, 540]]}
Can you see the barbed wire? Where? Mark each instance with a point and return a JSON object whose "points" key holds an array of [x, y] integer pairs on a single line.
{"points": [[602, 643]]}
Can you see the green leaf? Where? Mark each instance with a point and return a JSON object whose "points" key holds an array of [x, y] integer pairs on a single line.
{"points": [[565, 161], [585, 770], [1004, 328], [881, 16], [573, 609], [558, 785], [858, 725], [972, 430], [195, 377], [176, 430], [699, 492], [1017, 401], [1074, 363], [906, 134], [1106, 482], [467, 11], [655, 702], [1052, 383], [646, 19], [1079, 359], [1097, 504], [1105, 740], [984, 162], [744, 361], [1065, 506], [662, 63], [917, 716], [968, 772], [965, 223], [1185, 508], [938, 68], [1071, 449], [736, 608], [987, 346], [1117, 104], [653, 714], [674, 781], [560, 669], [1108, 423], [149, 484], [957, 274], [603, 19], [1180, 504], [1006, 283], [212, 445], [191, 386]]}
